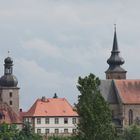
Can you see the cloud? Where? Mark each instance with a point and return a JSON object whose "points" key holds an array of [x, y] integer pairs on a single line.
{"points": [[54, 42], [35, 78]]}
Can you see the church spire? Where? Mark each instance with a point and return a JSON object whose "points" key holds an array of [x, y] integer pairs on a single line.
{"points": [[115, 71], [115, 43]]}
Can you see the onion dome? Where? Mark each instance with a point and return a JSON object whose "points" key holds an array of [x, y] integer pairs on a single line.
{"points": [[115, 59], [8, 79], [8, 60]]}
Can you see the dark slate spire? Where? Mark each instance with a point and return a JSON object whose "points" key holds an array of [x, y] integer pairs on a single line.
{"points": [[115, 71], [115, 43]]}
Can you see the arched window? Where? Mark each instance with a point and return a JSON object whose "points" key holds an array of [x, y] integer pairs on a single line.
{"points": [[130, 115]]}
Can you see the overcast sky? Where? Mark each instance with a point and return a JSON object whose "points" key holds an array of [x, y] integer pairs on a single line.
{"points": [[53, 42]]}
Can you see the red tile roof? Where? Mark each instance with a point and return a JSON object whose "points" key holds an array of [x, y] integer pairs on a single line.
{"points": [[51, 107], [129, 91]]}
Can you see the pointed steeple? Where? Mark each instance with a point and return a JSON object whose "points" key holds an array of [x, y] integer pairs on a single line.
{"points": [[115, 71], [115, 43]]}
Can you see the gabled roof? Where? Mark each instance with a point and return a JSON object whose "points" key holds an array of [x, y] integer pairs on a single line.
{"points": [[51, 107], [128, 90], [7, 115], [108, 91]]}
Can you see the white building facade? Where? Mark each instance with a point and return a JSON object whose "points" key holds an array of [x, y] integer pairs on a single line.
{"points": [[60, 117]]}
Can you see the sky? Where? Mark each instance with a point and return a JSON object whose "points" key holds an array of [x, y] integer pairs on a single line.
{"points": [[53, 42]]}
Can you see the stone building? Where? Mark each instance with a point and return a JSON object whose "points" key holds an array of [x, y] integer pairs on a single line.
{"points": [[9, 95], [122, 94]]}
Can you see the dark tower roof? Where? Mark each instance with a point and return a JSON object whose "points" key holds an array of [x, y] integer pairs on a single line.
{"points": [[115, 60], [8, 79], [8, 60]]}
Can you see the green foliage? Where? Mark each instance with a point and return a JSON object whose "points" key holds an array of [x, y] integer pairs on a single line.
{"points": [[10, 132], [63, 138], [27, 133], [95, 116], [130, 133]]}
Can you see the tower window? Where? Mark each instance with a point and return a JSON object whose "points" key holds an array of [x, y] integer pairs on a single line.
{"points": [[10, 102], [10, 94]]}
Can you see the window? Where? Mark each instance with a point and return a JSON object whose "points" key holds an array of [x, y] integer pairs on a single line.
{"points": [[38, 120], [10, 94], [10, 103], [47, 121], [27, 119], [130, 116], [56, 131], [65, 120], [56, 120], [47, 131], [73, 131], [39, 131], [74, 120], [65, 130], [0, 96]]}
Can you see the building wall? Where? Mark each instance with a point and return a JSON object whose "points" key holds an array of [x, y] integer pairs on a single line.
{"points": [[113, 75], [61, 126], [136, 114], [13, 99], [115, 109]]}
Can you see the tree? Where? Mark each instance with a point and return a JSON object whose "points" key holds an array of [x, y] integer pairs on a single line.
{"points": [[27, 134], [62, 138], [8, 132], [95, 115], [131, 133]]}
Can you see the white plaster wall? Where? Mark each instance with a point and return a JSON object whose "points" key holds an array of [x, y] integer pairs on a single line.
{"points": [[52, 126]]}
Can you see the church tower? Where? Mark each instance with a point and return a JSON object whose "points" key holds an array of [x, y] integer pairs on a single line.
{"points": [[9, 92], [115, 71]]}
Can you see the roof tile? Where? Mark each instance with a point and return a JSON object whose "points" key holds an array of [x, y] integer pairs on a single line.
{"points": [[51, 107]]}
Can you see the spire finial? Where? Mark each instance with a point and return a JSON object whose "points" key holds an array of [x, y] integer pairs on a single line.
{"points": [[115, 27]]}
